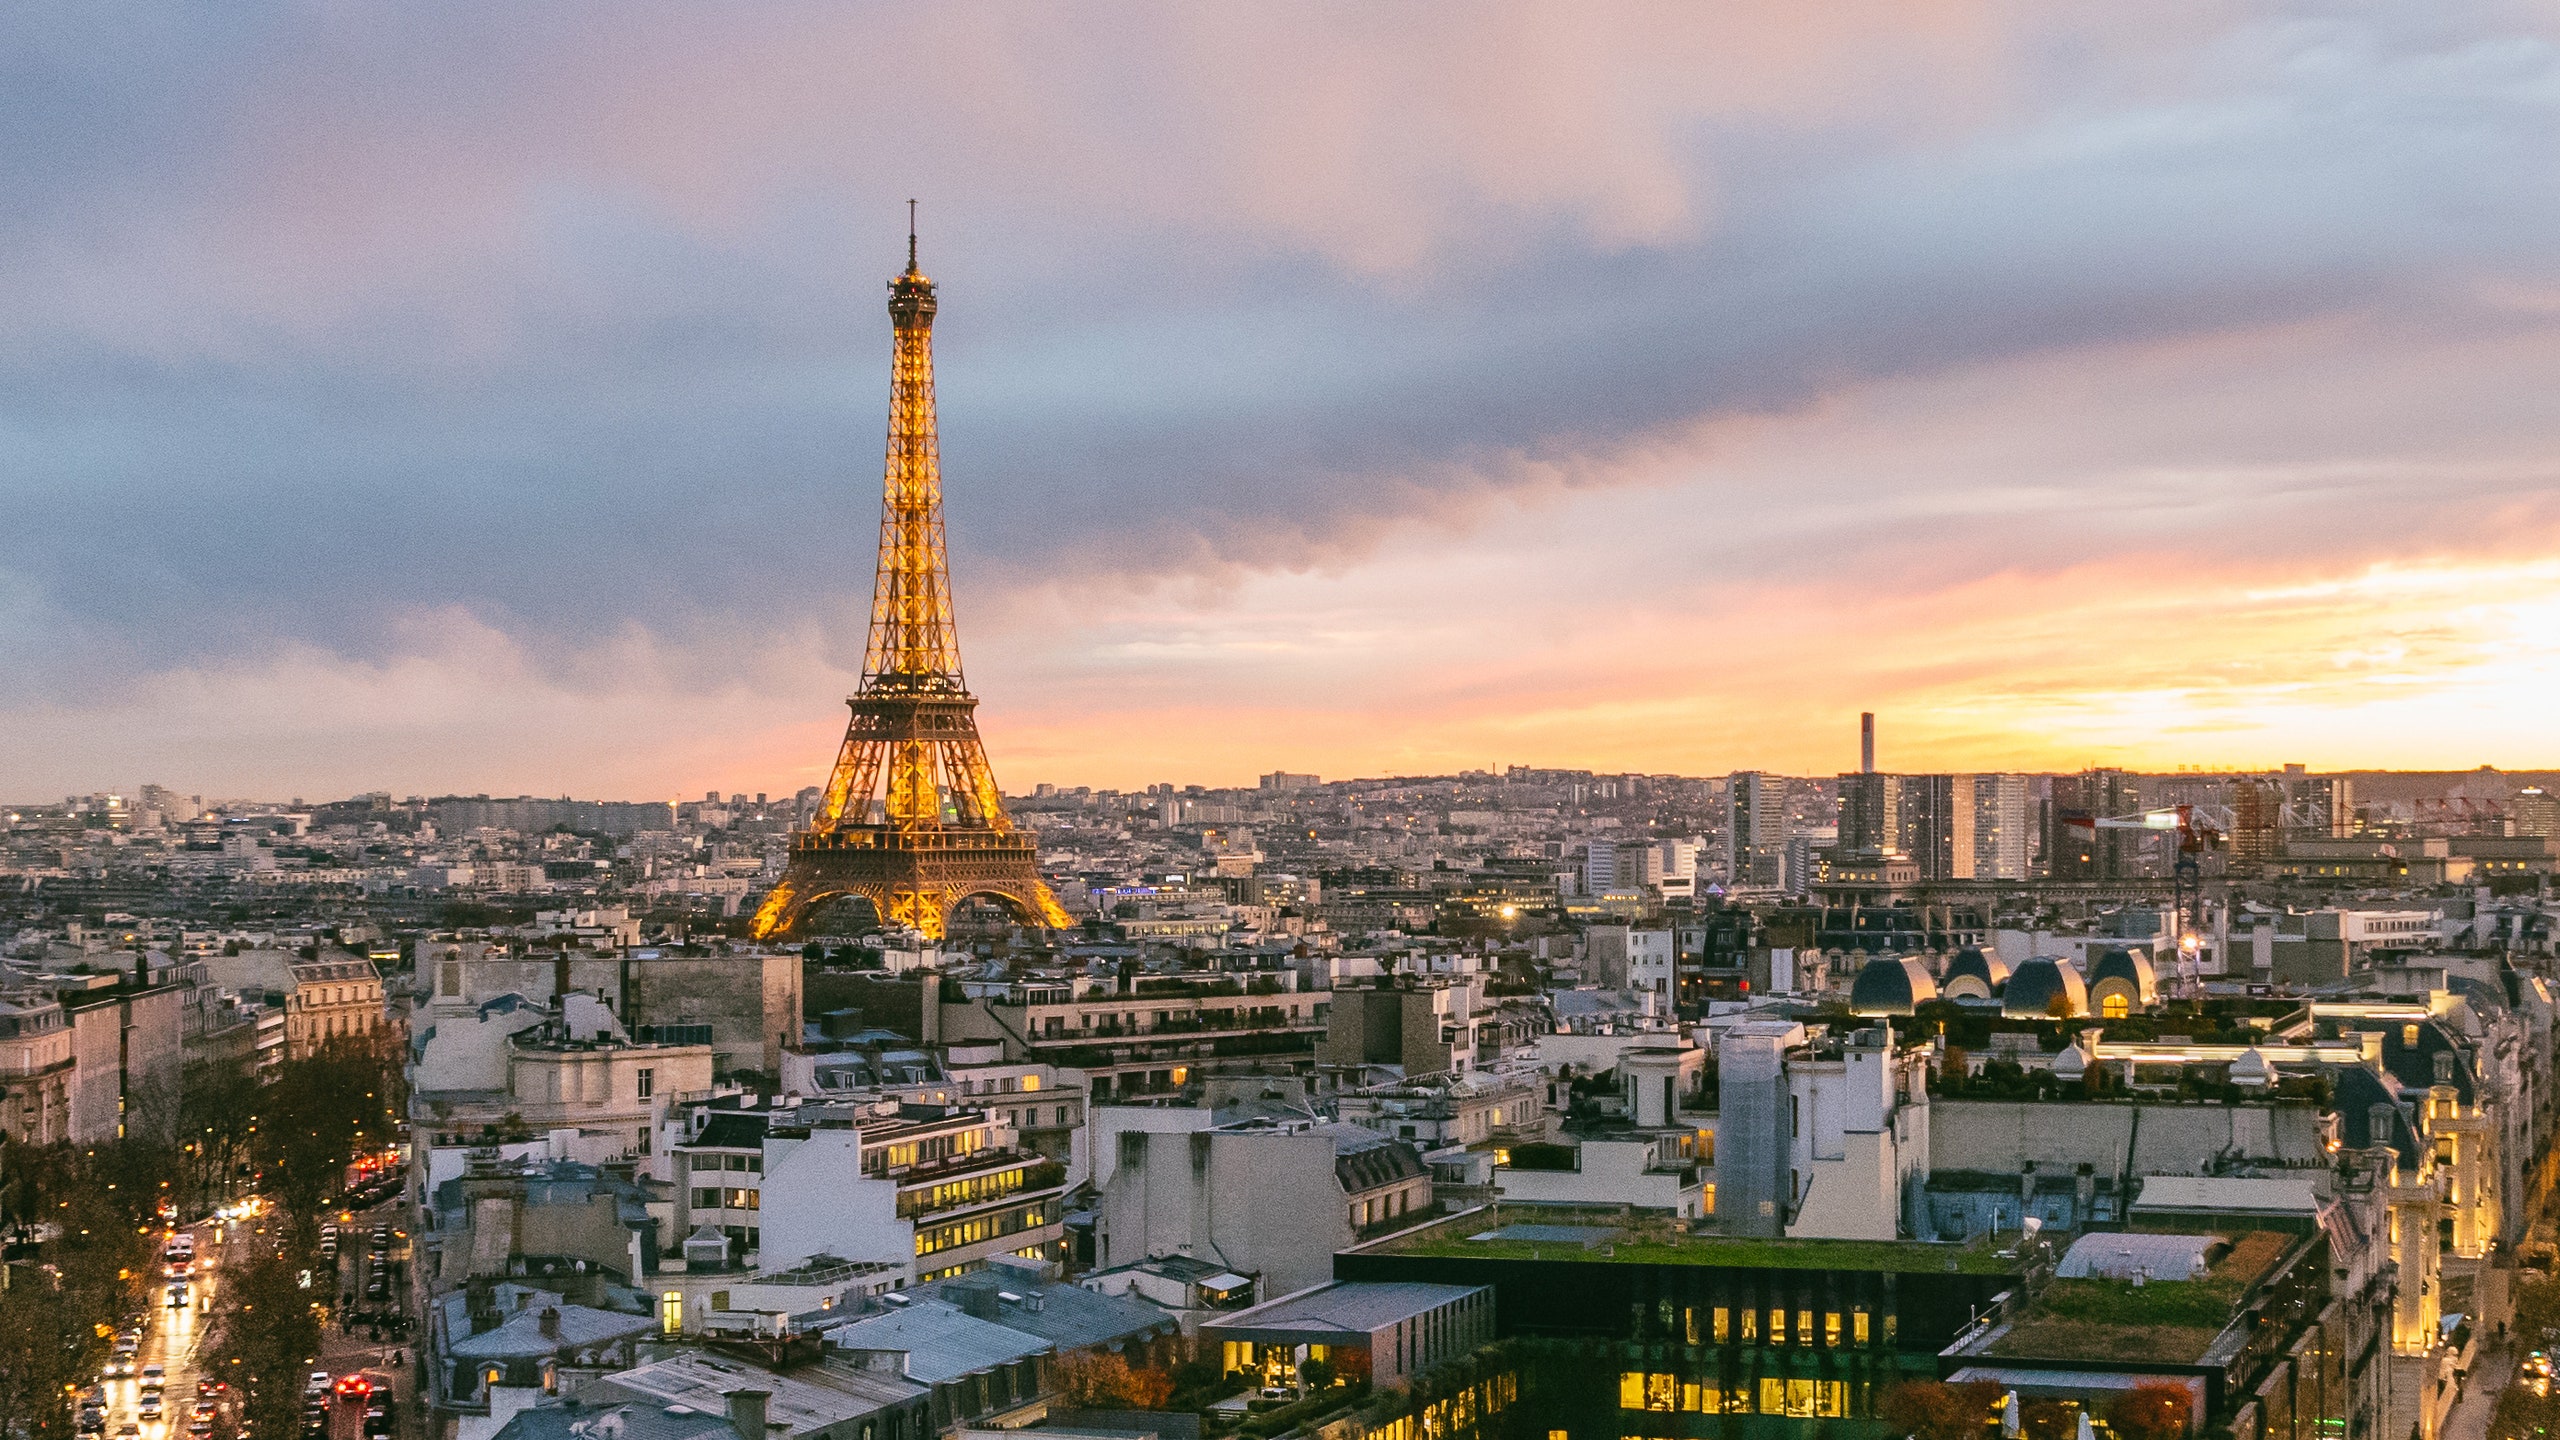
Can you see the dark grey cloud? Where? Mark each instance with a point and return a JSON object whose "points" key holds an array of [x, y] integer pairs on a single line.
{"points": [[326, 315]]}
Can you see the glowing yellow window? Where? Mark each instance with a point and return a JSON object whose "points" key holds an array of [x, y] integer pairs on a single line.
{"points": [[1724, 1325], [1773, 1395], [1750, 1326], [1777, 1327], [1858, 1327], [2115, 1006], [1661, 1391], [1630, 1389], [1831, 1327], [1804, 1327]]}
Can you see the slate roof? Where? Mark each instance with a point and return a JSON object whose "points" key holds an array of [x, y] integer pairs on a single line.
{"points": [[1070, 1316], [2414, 1066], [1364, 1160], [572, 1420], [2357, 1090], [805, 1399], [520, 1336], [733, 1129], [941, 1341]]}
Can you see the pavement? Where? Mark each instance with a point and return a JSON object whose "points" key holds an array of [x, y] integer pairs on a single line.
{"points": [[2491, 1372]]}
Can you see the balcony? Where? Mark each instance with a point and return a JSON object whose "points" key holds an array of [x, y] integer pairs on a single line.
{"points": [[1001, 1185]]}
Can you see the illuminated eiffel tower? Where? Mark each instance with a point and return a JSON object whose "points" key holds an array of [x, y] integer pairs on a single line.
{"points": [[912, 821]]}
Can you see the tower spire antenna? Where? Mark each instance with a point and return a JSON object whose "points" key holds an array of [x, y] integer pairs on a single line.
{"points": [[911, 237]]}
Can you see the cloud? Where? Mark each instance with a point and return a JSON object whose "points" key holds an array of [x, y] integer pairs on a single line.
{"points": [[321, 320]]}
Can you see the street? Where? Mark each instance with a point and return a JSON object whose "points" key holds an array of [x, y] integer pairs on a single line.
{"points": [[172, 1338], [349, 1345]]}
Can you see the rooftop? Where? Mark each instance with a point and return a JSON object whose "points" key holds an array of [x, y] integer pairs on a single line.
{"points": [[809, 1398], [1345, 1307], [2175, 1321], [1609, 1236], [941, 1342]]}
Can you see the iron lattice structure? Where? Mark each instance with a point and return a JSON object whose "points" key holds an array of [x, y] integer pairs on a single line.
{"points": [[912, 820]]}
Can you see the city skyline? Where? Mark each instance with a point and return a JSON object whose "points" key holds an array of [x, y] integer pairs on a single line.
{"points": [[383, 414]]}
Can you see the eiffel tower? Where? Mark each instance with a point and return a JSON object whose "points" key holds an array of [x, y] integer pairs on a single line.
{"points": [[912, 820]]}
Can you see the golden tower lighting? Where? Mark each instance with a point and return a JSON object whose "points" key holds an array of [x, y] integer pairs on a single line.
{"points": [[911, 820]]}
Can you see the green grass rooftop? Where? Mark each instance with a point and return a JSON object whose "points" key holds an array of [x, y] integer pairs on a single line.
{"points": [[1656, 1240]]}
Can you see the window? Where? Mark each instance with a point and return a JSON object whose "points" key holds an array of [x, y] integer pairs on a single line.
{"points": [[1777, 1327], [1030, 1082], [1795, 1116], [1724, 1324], [1804, 1327], [1831, 1327], [671, 1312], [648, 1080], [744, 1200], [1858, 1327], [706, 1197]]}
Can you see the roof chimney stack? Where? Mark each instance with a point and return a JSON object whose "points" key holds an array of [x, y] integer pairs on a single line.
{"points": [[746, 1412]]}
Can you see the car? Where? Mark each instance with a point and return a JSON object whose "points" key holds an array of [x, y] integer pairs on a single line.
{"points": [[318, 1384], [178, 1296], [202, 1410], [93, 1424], [377, 1421], [128, 1431], [200, 1429], [207, 1385], [120, 1365], [150, 1407], [154, 1375], [354, 1387]]}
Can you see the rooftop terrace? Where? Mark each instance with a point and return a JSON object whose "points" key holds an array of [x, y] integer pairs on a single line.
{"points": [[2172, 1320], [1610, 1235]]}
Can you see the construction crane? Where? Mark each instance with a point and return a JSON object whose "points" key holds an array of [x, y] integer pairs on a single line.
{"points": [[2194, 838]]}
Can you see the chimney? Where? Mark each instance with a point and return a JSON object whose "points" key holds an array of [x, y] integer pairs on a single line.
{"points": [[1867, 743], [746, 1412], [2378, 1120], [550, 1322], [560, 976]]}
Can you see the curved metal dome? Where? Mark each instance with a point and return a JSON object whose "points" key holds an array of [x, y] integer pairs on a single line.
{"points": [[2033, 992], [1974, 975], [2122, 981], [1891, 985]]}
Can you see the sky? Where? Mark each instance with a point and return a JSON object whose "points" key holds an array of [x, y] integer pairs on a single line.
{"points": [[487, 397]]}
